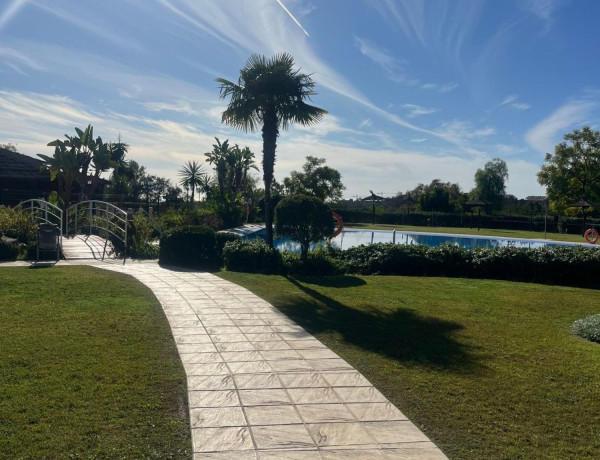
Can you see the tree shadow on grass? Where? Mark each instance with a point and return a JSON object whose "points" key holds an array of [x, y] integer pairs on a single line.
{"points": [[402, 335]]}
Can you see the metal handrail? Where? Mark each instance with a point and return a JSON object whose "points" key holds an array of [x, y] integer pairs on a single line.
{"points": [[43, 211], [93, 214]]}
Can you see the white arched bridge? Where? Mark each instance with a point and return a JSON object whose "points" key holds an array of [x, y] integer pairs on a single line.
{"points": [[87, 230]]}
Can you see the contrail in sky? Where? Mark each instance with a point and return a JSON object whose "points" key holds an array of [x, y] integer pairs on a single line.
{"points": [[12, 9], [293, 18]]}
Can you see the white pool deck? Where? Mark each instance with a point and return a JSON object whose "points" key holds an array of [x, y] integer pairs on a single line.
{"points": [[261, 387]]}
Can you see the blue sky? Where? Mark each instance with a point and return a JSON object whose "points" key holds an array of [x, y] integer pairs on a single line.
{"points": [[416, 90]]}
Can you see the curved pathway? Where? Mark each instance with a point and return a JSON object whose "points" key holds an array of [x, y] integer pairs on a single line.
{"points": [[261, 387]]}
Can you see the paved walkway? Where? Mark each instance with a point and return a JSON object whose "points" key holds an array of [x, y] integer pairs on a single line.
{"points": [[260, 387]]}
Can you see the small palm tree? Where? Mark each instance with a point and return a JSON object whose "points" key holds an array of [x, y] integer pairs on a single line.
{"points": [[191, 176], [271, 94]]}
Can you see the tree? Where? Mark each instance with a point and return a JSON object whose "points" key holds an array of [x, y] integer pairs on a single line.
{"points": [[305, 219], [490, 182], [572, 173], [231, 164], [191, 176], [269, 92], [316, 179]]}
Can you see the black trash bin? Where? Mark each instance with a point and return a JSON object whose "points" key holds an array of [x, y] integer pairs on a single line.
{"points": [[48, 236]]}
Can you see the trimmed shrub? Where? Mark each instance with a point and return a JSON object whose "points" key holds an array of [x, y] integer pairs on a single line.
{"points": [[8, 251], [191, 247], [222, 239], [588, 328], [317, 263], [251, 256], [305, 219]]}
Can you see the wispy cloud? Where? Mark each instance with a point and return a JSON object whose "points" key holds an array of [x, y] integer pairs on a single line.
{"points": [[544, 10], [440, 87], [419, 139], [366, 123], [293, 18], [513, 101], [417, 110], [10, 11], [461, 132], [179, 106], [547, 133], [395, 69]]}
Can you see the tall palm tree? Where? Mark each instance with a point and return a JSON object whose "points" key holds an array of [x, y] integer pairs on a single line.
{"points": [[269, 92], [191, 176]]}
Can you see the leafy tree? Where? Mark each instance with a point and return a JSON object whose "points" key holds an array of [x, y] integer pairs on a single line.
{"points": [[305, 219], [271, 94], [316, 179], [572, 173], [9, 146], [191, 176], [490, 182]]}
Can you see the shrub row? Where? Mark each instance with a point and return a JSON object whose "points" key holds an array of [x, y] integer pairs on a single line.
{"points": [[194, 247], [573, 266]]}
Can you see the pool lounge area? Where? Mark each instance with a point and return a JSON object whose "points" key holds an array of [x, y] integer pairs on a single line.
{"points": [[354, 237]]}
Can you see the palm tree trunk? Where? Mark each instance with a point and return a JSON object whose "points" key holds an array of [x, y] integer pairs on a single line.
{"points": [[270, 131]]}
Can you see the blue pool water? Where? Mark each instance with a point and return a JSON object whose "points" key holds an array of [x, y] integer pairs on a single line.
{"points": [[350, 238]]}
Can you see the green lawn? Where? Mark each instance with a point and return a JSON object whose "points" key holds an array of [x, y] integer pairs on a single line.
{"points": [[88, 368], [472, 231], [488, 369]]}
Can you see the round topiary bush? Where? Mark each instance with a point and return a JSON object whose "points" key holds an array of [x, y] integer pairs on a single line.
{"points": [[588, 328], [191, 247]]}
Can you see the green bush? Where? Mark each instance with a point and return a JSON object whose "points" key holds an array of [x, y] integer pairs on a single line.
{"points": [[174, 218], [190, 246], [317, 263], [15, 223], [140, 234], [8, 251], [251, 256], [222, 239], [588, 328]]}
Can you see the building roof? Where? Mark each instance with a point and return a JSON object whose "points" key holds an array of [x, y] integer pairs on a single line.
{"points": [[16, 165]]}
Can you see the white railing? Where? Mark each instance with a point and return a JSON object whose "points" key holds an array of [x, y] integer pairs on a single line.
{"points": [[44, 212], [98, 217]]}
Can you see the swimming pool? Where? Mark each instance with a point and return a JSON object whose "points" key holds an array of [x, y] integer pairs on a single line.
{"points": [[350, 238]]}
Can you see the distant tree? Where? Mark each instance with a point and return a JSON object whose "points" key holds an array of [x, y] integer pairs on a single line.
{"points": [[315, 179], [572, 173], [271, 94], [305, 219], [191, 176], [9, 146], [490, 183], [231, 165], [437, 196]]}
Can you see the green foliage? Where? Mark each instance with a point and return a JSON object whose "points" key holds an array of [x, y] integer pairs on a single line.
{"points": [[15, 223], [270, 94], [191, 175], [178, 217], [572, 173], [8, 251], [190, 246], [490, 183], [140, 235], [222, 238], [316, 179], [251, 256], [304, 219], [588, 328], [317, 263], [571, 266]]}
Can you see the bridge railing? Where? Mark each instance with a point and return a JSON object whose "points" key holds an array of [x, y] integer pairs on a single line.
{"points": [[99, 218], [42, 211]]}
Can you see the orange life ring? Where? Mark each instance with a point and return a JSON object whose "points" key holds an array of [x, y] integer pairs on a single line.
{"points": [[591, 235], [340, 224]]}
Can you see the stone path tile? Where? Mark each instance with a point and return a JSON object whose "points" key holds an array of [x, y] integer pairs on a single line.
{"points": [[261, 387]]}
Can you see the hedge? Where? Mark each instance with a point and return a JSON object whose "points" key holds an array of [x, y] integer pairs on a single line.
{"points": [[191, 247], [571, 266]]}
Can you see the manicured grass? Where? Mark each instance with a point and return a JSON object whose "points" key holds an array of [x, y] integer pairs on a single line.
{"points": [[488, 369], [88, 368], [473, 231]]}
